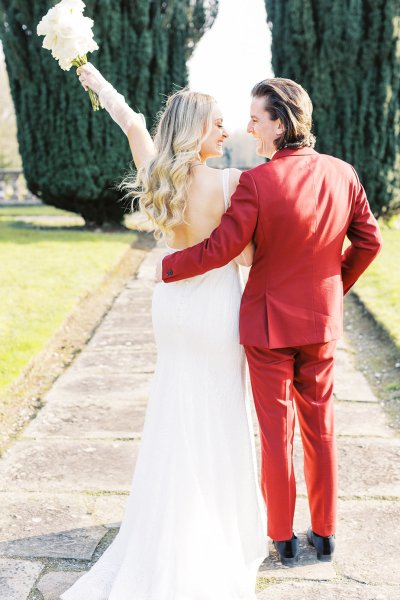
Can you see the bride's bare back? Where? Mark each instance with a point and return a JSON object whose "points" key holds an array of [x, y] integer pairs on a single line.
{"points": [[204, 209], [205, 205]]}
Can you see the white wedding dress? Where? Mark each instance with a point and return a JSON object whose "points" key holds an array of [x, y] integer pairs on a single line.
{"points": [[194, 527]]}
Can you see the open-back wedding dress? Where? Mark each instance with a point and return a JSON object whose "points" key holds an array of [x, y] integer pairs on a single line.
{"points": [[194, 527]]}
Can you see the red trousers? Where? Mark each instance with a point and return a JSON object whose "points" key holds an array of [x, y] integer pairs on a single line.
{"points": [[278, 377]]}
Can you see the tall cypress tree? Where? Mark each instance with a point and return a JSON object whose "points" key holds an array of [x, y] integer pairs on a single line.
{"points": [[73, 157], [344, 54]]}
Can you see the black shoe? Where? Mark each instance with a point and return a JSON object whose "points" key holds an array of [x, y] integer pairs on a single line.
{"points": [[325, 546], [288, 551]]}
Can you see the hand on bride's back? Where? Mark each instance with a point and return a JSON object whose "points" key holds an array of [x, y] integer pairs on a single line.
{"points": [[90, 77]]}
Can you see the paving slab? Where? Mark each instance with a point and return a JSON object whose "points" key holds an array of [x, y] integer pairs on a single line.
{"points": [[135, 313], [137, 294], [50, 525], [136, 291], [135, 305], [120, 324], [342, 343], [308, 566], [53, 584], [147, 268], [115, 417], [361, 419], [134, 361], [367, 467], [74, 543], [140, 286], [68, 465], [367, 542], [95, 385], [122, 341], [109, 509], [17, 577], [298, 590], [352, 385], [344, 359], [355, 419], [132, 302], [366, 550], [132, 322]]}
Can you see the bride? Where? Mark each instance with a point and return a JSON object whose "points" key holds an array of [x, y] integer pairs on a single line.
{"points": [[194, 524]]}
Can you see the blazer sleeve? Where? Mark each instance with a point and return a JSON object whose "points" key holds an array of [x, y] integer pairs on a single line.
{"points": [[365, 237], [226, 241]]}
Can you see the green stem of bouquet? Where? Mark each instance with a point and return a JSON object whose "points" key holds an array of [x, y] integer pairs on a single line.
{"points": [[78, 62]]}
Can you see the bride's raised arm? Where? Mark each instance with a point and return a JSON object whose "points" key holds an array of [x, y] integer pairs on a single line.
{"points": [[132, 123]]}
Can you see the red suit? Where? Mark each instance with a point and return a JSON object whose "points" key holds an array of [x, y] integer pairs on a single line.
{"points": [[297, 208]]}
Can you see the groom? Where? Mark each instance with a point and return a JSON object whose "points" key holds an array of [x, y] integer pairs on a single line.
{"points": [[297, 208]]}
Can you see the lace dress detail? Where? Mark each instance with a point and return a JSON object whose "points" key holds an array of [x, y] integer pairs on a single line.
{"points": [[194, 526]]}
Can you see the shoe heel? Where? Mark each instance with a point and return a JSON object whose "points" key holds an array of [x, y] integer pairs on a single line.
{"points": [[289, 562], [324, 557]]}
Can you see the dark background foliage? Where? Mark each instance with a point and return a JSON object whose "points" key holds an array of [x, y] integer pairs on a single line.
{"points": [[347, 55], [72, 157]]}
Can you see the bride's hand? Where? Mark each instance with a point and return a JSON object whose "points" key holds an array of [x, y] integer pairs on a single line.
{"points": [[132, 123], [91, 78]]}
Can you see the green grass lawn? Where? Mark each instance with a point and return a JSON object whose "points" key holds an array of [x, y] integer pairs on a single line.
{"points": [[379, 287], [43, 273], [34, 211]]}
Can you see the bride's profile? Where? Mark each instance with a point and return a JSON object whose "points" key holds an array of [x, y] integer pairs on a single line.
{"points": [[194, 526]]}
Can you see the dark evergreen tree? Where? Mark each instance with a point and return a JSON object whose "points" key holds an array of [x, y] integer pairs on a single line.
{"points": [[344, 53], [73, 157]]}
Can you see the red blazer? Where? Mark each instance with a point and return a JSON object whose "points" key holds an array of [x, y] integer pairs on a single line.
{"points": [[297, 208]]}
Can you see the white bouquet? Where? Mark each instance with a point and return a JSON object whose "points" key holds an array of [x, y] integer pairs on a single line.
{"points": [[69, 36]]}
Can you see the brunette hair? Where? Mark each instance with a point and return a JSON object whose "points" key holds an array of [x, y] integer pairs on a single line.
{"points": [[288, 101]]}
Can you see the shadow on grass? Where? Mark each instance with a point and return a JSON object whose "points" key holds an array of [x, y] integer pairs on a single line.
{"points": [[31, 232]]}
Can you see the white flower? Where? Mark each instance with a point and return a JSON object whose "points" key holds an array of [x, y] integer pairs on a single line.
{"points": [[68, 34]]}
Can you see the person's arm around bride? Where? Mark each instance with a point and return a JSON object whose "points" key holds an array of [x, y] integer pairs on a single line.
{"points": [[245, 258]]}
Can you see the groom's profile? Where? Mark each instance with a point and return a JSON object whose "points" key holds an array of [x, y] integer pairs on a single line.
{"points": [[297, 208]]}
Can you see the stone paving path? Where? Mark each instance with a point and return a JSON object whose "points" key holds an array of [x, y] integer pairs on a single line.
{"points": [[64, 483]]}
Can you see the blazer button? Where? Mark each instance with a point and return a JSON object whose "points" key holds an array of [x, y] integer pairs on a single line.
{"points": [[169, 273]]}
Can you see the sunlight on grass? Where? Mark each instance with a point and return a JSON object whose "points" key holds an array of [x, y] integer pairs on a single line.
{"points": [[34, 210], [43, 274], [379, 287]]}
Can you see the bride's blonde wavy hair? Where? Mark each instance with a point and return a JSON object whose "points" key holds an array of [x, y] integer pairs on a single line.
{"points": [[161, 185]]}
